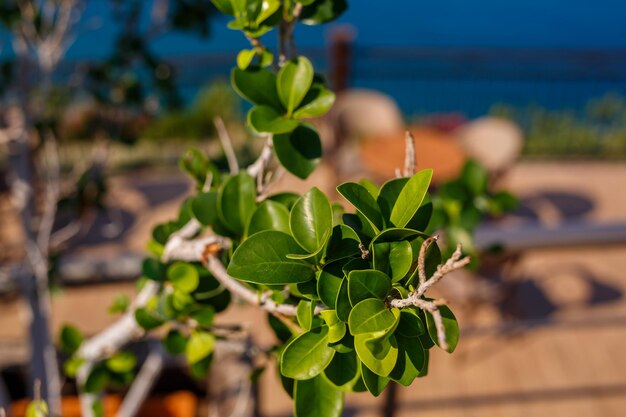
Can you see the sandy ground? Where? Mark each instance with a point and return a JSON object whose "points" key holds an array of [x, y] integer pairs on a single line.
{"points": [[568, 358]]}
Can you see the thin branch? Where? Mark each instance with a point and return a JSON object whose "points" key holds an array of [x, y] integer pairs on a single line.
{"points": [[409, 156], [421, 260], [415, 298], [227, 145], [143, 383], [216, 268], [258, 167]]}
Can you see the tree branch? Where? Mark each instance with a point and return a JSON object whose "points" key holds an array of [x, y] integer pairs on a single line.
{"points": [[227, 144], [415, 299]]}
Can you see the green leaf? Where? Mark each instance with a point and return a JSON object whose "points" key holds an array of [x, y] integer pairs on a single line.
{"points": [[120, 304], [268, 8], [388, 195], [304, 314], [475, 177], [121, 362], [204, 208], [411, 360], [410, 325], [311, 220], [262, 258], [450, 325], [343, 243], [70, 339], [342, 303], [370, 186], [37, 408], [323, 11], [299, 151], [269, 215], [199, 346], [97, 380], [147, 318], [183, 277], [379, 354], [336, 327], [315, 256], [375, 384], [294, 81], [329, 281], [204, 316], [410, 198], [317, 398], [287, 199], [363, 201], [237, 201], [400, 259], [343, 371], [307, 355], [316, 103], [175, 342], [71, 366], [264, 119], [245, 57], [366, 284], [371, 316], [256, 85]]}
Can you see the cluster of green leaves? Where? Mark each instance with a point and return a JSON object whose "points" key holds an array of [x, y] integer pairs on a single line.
{"points": [[116, 371], [462, 203], [350, 266]]}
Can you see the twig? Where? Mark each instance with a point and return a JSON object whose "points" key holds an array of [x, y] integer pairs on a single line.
{"points": [[415, 298], [143, 383], [216, 268], [227, 145], [409, 156], [421, 260], [258, 167]]}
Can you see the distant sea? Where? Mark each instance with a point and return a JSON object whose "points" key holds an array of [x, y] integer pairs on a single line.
{"points": [[432, 56]]}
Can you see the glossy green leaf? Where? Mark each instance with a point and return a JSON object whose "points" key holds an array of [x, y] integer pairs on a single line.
{"points": [[293, 82], [316, 103], [400, 259], [342, 303], [343, 371], [175, 342], [329, 281], [121, 362], [375, 384], [245, 57], [411, 360], [269, 215], [450, 325], [299, 151], [317, 398], [72, 365], [304, 314], [410, 198], [256, 85], [366, 284], [372, 316], [153, 269], [311, 220], [307, 355], [432, 261], [410, 325], [379, 354], [70, 339], [265, 119], [237, 201], [199, 346], [286, 199], [388, 196], [370, 186], [343, 243], [336, 327], [475, 177], [262, 259], [397, 234], [267, 9], [363, 201], [183, 277], [316, 255]]}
